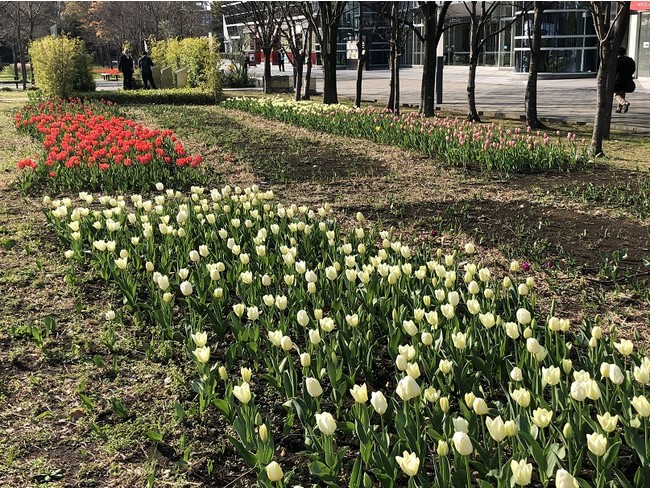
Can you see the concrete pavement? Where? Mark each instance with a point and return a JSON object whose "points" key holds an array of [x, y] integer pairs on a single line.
{"points": [[498, 93]]}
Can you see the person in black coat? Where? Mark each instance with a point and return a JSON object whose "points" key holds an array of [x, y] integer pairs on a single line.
{"points": [[126, 67], [624, 83], [145, 64]]}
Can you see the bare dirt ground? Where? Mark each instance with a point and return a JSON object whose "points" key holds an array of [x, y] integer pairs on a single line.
{"points": [[51, 435]]}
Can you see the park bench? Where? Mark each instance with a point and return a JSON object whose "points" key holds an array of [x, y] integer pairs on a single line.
{"points": [[11, 82], [107, 76]]}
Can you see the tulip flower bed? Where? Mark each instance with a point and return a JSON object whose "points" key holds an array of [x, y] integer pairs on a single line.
{"points": [[88, 145], [455, 141], [395, 367]]}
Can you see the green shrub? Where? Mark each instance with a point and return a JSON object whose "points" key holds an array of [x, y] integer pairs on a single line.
{"points": [[173, 96], [61, 66], [198, 55]]}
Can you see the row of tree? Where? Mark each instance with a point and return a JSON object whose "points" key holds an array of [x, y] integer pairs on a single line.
{"points": [[105, 27], [269, 22]]}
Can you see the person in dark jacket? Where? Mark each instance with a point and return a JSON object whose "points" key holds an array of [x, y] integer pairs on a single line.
{"points": [[625, 68], [145, 63], [126, 67]]}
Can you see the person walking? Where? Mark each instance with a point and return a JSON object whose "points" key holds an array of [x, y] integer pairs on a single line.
{"points": [[280, 60], [145, 64], [624, 83], [126, 67]]}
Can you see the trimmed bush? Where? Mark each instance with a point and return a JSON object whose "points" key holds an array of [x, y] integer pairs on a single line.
{"points": [[173, 96], [196, 55], [61, 66]]}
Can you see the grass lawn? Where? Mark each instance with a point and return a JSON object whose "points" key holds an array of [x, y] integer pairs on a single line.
{"points": [[85, 402]]}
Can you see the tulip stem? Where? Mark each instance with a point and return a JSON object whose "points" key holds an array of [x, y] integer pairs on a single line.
{"points": [[500, 460], [469, 474], [645, 437]]}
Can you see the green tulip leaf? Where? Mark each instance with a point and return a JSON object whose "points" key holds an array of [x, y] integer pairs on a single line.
{"points": [[621, 478], [356, 475], [536, 450], [611, 455], [249, 458], [637, 444], [642, 477]]}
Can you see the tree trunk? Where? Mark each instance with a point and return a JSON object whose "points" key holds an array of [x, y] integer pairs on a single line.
{"points": [[359, 85], [360, 59], [471, 91], [21, 53], [397, 60], [267, 68], [328, 53], [393, 56], [14, 53], [612, 37], [603, 104], [299, 64], [535, 60], [307, 95], [428, 86], [474, 51], [391, 62]]}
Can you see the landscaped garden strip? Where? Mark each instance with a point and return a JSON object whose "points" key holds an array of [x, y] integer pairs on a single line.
{"points": [[90, 145], [429, 368], [391, 364], [488, 147]]}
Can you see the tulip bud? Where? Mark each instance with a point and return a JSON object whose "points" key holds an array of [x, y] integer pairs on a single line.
{"points": [[641, 405], [496, 428], [442, 449], [445, 366], [409, 463], [444, 404], [202, 354], [407, 388], [314, 336], [325, 423], [313, 387], [521, 472], [516, 374], [246, 374], [480, 406], [263, 432], [462, 443], [223, 374], [242, 393], [359, 393], [563, 479], [305, 360], [469, 399], [286, 343], [511, 428], [523, 316], [567, 431], [274, 472], [378, 402], [625, 347], [597, 444]]}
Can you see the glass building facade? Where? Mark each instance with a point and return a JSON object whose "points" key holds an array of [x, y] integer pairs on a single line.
{"points": [[569, 44]]}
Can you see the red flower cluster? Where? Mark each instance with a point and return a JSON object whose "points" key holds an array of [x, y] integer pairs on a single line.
{"points": [[74, 136], [27, 163], [107, 71]]}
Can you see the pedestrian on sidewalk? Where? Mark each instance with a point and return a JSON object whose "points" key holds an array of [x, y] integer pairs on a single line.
{"points": [[625, 68], [280, 61], [145, 63], [126, 67]]}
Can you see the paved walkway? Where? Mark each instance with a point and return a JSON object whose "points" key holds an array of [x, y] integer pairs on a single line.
{"points": [[498, 92]]}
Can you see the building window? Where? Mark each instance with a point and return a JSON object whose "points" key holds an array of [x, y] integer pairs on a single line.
{"points": [[568, 44]]}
